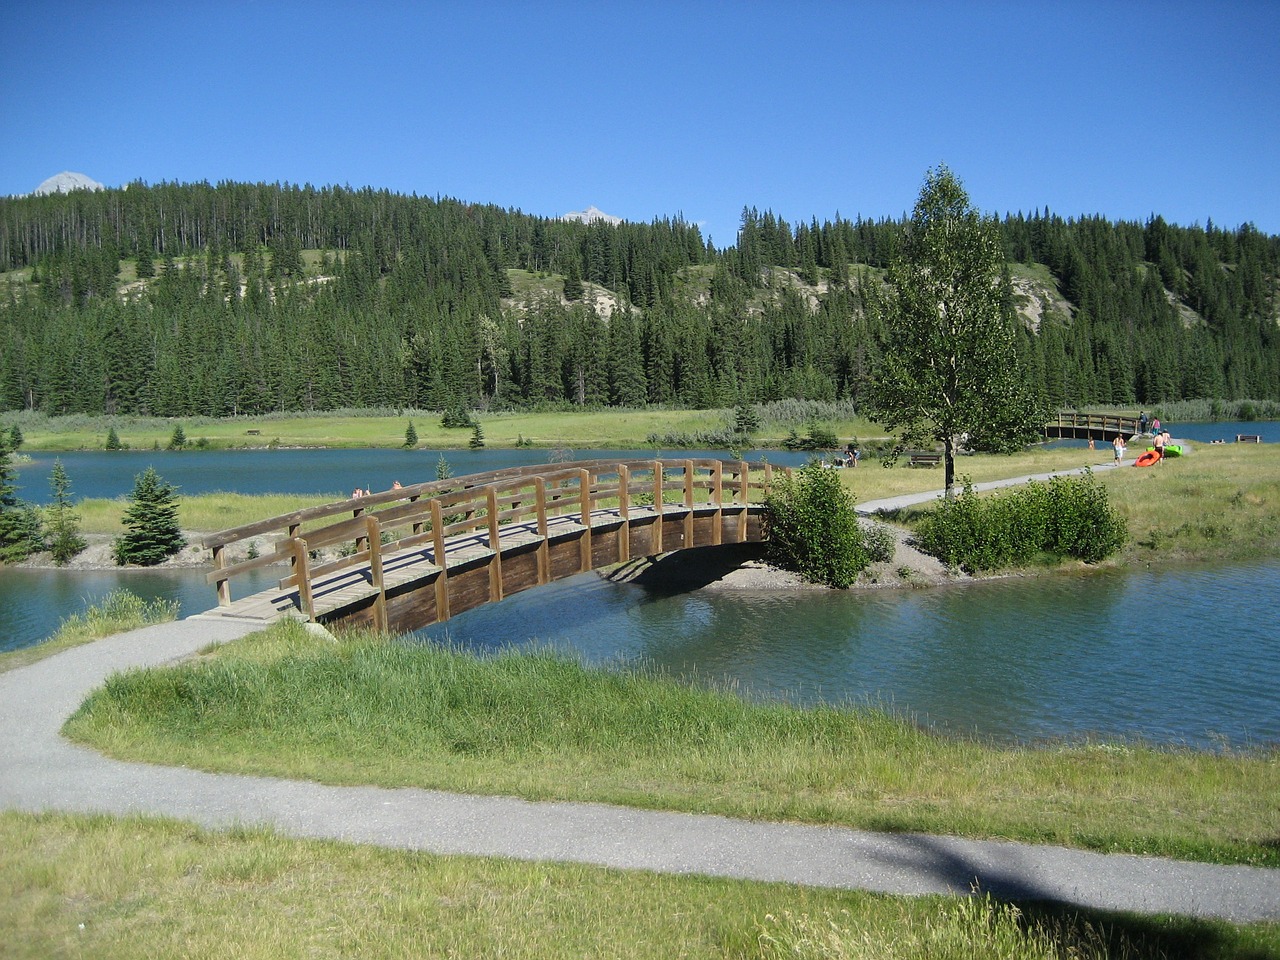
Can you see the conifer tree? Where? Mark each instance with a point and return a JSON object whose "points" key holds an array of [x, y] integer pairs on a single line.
{"points": [[178, 439], [113, 440], [20, 525], [152, 533], [65, 540], [477, 437], [410, 437]]}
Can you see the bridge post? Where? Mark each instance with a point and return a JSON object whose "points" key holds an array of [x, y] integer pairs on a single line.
{"points": [[624, 511], [657, 505], [495, 544], [301, 564], [688, 503], [584, 504], [744, 498], [224, 585], [544, 547], [374, 538], [717, 524], [442, 561]]}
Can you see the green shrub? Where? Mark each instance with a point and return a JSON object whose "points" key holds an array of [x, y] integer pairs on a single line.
{"points": [[879, 542], [813, 529], [1068, 517]]}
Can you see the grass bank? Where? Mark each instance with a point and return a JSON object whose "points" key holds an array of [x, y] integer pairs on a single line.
{"points": [[576, 429], [372, 710], [175, 890], [117, 612], [1219, 503]]}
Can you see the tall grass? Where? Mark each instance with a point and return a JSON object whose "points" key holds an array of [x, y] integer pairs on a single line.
{"points": [[375, 710], [117, 612]]}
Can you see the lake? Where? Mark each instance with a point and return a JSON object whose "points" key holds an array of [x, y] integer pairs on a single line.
{"points": [[1174, 656]]}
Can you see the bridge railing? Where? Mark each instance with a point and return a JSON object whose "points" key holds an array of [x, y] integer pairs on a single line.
{"points": [[1072, 423], [474, 510]]}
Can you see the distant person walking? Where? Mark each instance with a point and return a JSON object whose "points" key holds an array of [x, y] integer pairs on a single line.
{"points": [[1118, 443]]}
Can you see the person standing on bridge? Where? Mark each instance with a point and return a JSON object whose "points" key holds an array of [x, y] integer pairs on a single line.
{"points": [[1142, 422]]}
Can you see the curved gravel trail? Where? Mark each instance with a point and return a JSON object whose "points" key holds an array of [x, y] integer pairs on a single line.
{"points": [[40, 771]]}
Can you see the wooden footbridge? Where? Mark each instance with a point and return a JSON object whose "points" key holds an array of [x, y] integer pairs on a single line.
{"points": [[416, 555], [1091, 426]]}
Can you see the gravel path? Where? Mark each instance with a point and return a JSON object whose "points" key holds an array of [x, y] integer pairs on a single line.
{"points": [[41, 771]]}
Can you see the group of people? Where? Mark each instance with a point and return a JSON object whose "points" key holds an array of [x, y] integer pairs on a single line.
{"points": [[849, 458], [1159, 436], [359, 492]]}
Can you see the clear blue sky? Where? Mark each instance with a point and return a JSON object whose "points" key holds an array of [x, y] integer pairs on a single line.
{"points": [[1120, 107]]}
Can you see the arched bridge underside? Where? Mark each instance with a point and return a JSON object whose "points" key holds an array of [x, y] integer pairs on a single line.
{"points": [[413, 556]]}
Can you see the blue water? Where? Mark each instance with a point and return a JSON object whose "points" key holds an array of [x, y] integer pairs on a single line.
{"points": [[1187, 655], [98, 474], [1167, 656]]}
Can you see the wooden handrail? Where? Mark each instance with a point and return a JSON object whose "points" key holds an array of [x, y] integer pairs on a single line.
{"points": [[478, 505]]}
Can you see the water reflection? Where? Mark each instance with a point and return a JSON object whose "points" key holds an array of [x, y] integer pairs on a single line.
{"points": [[1162, 656]]}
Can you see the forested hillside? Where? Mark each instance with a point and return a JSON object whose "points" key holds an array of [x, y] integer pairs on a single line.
{"points": [[248, 298]]}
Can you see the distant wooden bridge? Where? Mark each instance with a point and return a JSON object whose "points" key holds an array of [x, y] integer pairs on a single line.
{"points": [[1086, 426], [417, 555]]}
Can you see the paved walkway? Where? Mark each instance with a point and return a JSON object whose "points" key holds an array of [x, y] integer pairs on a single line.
{"points": [[913, 499], [41, 771]]}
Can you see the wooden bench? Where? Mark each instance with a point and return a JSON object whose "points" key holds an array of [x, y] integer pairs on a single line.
{"points": [[924, 460], [1248, 438]]}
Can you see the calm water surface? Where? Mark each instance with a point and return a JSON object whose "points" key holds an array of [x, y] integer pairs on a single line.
{"points": [[1171, 656], [1188, 655]]}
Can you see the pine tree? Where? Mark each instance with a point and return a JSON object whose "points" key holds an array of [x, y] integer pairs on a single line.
{"points": [[113, 440], [151, 519], [410, 437], [64, 523], [477, 437], [178, 439], [20, 525]]}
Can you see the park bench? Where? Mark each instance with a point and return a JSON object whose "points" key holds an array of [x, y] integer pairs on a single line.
{"points": [[1248, 438], [925, 460]]}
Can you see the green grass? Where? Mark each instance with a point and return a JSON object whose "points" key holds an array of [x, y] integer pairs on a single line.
{"points": [[574, 430], [1221, 502], [377, 711], [119, 611], [103, 887]]}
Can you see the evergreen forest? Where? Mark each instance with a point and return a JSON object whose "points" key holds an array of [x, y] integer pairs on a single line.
{"points": [[195, 299]]}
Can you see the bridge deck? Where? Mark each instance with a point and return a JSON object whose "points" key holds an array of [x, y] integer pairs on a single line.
{"points": [[417, 565]]}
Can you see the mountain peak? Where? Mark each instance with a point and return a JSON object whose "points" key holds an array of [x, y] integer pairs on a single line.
{"points": [[590, 215], [67, 181]]}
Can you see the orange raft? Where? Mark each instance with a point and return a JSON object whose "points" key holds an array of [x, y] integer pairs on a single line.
{"points": [[1147, 459]]}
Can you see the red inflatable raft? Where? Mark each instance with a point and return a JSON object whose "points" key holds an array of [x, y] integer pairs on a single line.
{"points": [[1147, 459]]}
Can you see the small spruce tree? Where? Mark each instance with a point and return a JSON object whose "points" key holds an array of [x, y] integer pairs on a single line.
{"points": [[477, 437], [178, 439], [151, 520], [113, 440], [410, 437], [21, 530], [15, 438], [64, 523]]}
